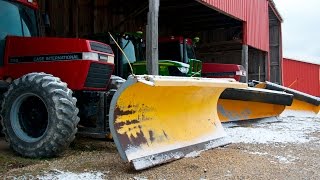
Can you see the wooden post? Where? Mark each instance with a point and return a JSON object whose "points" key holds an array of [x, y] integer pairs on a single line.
{"points": [[152, 38], [245, 59], [266, 59], [74, 9]]}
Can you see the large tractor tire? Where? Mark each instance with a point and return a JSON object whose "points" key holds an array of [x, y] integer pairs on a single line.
{"points": [[39, 115], [1, 133], [3, 88]]}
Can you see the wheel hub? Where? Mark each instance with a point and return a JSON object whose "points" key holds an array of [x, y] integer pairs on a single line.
{"points": [[29, 117]]}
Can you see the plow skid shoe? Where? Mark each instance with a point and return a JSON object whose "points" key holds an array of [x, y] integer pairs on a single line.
{"points": [[251, 103], [157, 119], [304, 105]]}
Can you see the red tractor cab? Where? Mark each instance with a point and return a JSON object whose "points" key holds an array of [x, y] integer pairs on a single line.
{"points": [[48, 85], [73, 60]]}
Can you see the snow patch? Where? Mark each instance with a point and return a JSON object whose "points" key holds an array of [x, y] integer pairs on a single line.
{"points": [[285, 160], [140, 178], [289, 130], [297, 113], [258, 153], [281, 159], [61, 175], [228, 174], [193, 154]]}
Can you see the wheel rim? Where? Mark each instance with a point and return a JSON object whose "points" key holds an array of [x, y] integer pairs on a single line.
{"points": [[29, 117]]}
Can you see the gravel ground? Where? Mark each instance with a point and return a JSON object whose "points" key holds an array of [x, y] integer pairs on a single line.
{"points": [[283, 148]]}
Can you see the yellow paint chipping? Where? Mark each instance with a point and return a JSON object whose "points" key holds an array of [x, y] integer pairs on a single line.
{"points": [[162, 114], [171, 114]]}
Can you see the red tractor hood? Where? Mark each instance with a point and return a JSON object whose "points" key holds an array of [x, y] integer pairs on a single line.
{"points": [[61, 57], [30, 46]]}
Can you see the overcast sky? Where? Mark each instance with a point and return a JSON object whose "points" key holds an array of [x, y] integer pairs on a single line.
{"points": [[300, 29]]}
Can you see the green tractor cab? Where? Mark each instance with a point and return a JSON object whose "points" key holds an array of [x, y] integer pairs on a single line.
{"points": [[180, 50], [166, 68]]}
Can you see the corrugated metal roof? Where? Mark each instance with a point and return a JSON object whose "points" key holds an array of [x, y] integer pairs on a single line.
{"points": [[309, 60], [255, 15]]}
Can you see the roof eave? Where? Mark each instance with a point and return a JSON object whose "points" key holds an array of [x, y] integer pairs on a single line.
{"points": [[275, 10]]}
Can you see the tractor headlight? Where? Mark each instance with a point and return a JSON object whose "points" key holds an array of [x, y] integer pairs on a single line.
{"points": [[111, 59], [106, 58], [90, 56], [241, 73], [184, 70]]}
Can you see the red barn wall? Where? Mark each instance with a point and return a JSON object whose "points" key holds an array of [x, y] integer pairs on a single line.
{"points": [[302, 76]]}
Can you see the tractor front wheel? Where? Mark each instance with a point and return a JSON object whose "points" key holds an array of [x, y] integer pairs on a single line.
{"points": [[39, 115]]}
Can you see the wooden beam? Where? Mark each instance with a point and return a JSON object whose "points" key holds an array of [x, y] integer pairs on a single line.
{"points": [[190, 20], [245, 59], [132, 15], [179, 6], [75, 17], [205, 27], [266, 61], [152, 38]]}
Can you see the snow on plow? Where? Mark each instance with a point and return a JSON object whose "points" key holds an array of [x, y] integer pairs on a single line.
{"points": [[251, 103], [156, 119], [304, 105]]}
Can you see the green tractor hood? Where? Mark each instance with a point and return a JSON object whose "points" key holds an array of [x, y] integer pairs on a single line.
{"points": [[169, 68]]}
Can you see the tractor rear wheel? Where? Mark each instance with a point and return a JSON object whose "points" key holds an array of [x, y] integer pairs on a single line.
{"points": [[39, 115]]}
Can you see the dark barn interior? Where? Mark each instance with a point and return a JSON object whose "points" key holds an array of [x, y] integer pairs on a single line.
{"points": [[221, 36]]}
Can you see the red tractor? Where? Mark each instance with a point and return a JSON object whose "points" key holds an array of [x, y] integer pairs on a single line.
{"points": [[217, 70], [42, 79]]}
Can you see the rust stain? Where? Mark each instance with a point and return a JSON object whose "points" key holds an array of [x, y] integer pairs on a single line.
{"points": [[128, 138], [165, 134], [151, 135]]}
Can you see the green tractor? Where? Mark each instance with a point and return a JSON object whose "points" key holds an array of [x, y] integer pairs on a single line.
{"points": [[176, 58], [176, 54]]}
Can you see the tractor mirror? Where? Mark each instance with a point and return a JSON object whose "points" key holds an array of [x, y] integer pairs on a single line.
{"points": [[46, 20], [143, 44], [3, 35]]}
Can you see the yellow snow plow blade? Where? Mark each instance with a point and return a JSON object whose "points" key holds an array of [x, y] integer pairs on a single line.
{"points": [[251, 103], [304, 105], [157, 119], [234, 110], [301, 109]]}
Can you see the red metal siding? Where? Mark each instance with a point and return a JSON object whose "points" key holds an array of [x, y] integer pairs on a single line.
{"points": [[255, 15], [302, 76]]}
